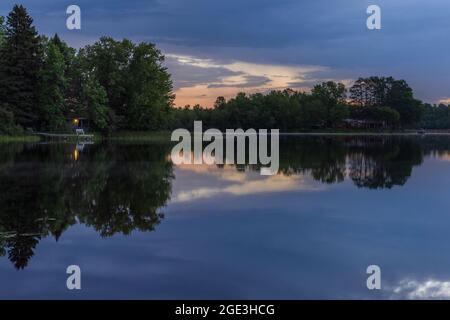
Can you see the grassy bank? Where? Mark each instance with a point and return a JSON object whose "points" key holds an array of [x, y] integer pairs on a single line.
{"points": [[7, 139], [140, 136], [164, 136]]}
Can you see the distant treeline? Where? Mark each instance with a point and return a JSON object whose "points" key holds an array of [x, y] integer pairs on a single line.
{"points": [[383, 102], [119, 85]]}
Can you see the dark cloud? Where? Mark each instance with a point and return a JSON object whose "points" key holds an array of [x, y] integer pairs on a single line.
{"points": [[413, 43], [188, 75], [250, 81]]}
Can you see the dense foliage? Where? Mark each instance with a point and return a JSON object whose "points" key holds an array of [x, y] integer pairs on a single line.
{"points": [[383, 102], [119, 85], [44, 83], [436, 117]]}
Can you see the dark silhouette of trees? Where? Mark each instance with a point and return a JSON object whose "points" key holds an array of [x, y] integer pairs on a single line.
{"points": [[384, 162], [386, 101], [138, 86], [51, 88], [44, 83], [47, 189], [2, 31], [435, 116], [20, 63], [382, 92]]}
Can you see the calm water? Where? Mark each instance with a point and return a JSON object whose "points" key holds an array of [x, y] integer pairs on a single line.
{"points": [[140, 227]]}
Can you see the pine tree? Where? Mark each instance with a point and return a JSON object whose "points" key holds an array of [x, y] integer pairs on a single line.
{"points": [[52, 87], [6, 117], [2, 31], [20, 60], [73, 75]]}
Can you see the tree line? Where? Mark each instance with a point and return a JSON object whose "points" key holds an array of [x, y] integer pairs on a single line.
{"points": [[120, 85], [381, 100]]}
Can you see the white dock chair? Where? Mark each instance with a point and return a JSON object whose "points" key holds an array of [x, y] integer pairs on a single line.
{"points": [[79, 131]]}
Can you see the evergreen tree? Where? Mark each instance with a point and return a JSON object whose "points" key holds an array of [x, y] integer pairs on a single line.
{"points": [[20, 60], [2, 31], [6, 117], [52, 87]]}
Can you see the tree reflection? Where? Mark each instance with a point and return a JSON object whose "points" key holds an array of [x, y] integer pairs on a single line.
{"points": [[369, 161], [117, 188], [384, 163], [45, 189], [322, 157]]}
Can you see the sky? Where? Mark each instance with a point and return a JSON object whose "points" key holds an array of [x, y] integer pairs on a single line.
{"points": [[219, 48]]}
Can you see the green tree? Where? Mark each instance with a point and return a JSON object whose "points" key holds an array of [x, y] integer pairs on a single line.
{"points": [[435, 116], [400, 97], [110, 60], [313, 112], [67, 52], [52, 88], [6, 117], [2, 31], [382, 91], [330, 92], [150, 89], [388, 115], [95, 99], [138, 86], [332, 95], [20, 62]]}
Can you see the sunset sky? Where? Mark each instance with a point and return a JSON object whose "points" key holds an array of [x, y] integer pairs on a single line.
{"points": [[216, 48]]}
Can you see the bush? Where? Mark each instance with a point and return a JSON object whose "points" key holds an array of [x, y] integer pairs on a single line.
{"points": [[7, 123]]}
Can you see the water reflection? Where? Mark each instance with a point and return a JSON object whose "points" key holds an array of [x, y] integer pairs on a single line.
{"points": [[47, 188], [118, 188], [421, 290], [370, 162]]}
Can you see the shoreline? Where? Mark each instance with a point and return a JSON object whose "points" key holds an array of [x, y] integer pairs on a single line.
{"points": [[21, 138], [364, 134], [159, 136]]}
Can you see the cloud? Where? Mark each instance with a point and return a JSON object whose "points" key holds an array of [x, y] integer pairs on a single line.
{"points": [[416, 290], [189, 73], [412, 44], [203, 80], [445, 101], [249, 81]]}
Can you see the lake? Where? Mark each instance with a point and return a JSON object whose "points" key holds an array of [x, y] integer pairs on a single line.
{"points": [[140, 227]]}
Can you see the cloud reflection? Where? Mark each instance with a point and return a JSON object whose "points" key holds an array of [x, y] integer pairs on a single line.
{"points": [[238, 183], [416, 290]]}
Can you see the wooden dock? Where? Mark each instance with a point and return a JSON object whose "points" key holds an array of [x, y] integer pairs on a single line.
{"points": [[64, 136]]}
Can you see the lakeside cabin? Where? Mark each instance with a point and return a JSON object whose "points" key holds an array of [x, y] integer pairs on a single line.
{"points": [[78, 123]]}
